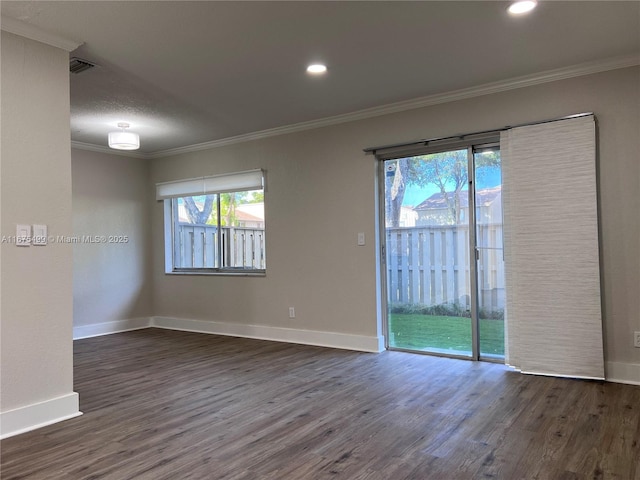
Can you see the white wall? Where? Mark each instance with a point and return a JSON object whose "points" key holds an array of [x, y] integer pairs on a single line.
{"points": [[313, 263], [111, 281], [321, 191], [36, 357]]}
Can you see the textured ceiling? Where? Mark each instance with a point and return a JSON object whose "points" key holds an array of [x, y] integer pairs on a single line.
{"points": [[183, 73]]}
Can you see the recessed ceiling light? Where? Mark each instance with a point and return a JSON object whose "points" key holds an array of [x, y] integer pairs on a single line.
{"points": [[316, 68], [524, 6]]}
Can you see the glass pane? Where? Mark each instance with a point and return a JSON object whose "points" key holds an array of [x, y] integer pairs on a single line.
{"points": [[242, 228], [491, 286], [196, 232], [427, 241]]}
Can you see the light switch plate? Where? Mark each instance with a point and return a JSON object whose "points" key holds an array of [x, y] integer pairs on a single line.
{"points": [[23, 235], [361, 238], [39, 235]]}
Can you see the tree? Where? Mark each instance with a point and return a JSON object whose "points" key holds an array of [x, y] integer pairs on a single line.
{"points": [[228, 203], [394, 187], [197, 216], [257, 196], [448, 171]]}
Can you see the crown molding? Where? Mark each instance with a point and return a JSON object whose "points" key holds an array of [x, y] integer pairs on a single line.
{"points": [[27, 30], [547, 76], [465, 93], [101, 149]]}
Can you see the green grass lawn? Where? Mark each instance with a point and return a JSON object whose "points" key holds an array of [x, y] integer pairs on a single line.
{"points": [[425, 332]]}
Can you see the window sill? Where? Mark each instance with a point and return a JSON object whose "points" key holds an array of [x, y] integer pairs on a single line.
{"points": [[222, 273]]}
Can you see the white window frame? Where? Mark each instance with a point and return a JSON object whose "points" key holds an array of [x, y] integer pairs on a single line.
{"points": [[250, 180]]}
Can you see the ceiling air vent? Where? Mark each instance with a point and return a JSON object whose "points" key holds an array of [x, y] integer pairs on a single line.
{"points": [[77, 65]]}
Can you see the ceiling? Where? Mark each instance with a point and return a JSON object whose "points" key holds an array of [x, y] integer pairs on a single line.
{"points": [[184, 73]]}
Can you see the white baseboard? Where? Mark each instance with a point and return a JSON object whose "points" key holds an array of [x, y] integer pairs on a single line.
{"points": [[106, 328], [615, 371], [623, 373], [289, 335], [37, 415]]}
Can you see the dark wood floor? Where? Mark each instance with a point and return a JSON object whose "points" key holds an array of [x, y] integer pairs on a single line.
{"points": [[173, 405]]}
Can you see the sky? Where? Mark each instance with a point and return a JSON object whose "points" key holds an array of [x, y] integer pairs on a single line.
{"points": [[414, 195]]}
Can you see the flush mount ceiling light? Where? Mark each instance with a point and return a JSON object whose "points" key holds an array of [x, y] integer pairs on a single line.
{"points": [[523, 6], [124, 140], [316, 68]]}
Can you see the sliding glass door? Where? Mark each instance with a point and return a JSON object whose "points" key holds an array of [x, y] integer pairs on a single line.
{"points": [[442, 253], [489, 253]]}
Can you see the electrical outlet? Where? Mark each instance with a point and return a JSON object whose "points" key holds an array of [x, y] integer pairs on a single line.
{"points": [[636, 339], [292, 312]]}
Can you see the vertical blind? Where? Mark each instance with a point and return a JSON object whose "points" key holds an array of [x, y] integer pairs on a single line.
{"points": [[553, 313]]}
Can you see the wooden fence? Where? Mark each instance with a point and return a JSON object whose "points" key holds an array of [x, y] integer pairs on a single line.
{"points": [[430, 265], [425, 265], [197, 247]]}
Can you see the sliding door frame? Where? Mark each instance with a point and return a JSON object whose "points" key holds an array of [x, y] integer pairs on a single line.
{"points": [[458, 143], [473, 254], [473, 149]]}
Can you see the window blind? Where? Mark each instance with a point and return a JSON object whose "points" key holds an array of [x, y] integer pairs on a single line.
{"points": [[230, 182], [553, 314]]}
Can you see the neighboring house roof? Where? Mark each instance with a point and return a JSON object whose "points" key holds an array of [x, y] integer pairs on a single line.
{"points": [[485, 197], [252, 212], [406, 209], [247, 217]]}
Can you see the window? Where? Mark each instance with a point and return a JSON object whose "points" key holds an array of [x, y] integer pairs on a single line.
{"points": [[215, 224]]}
